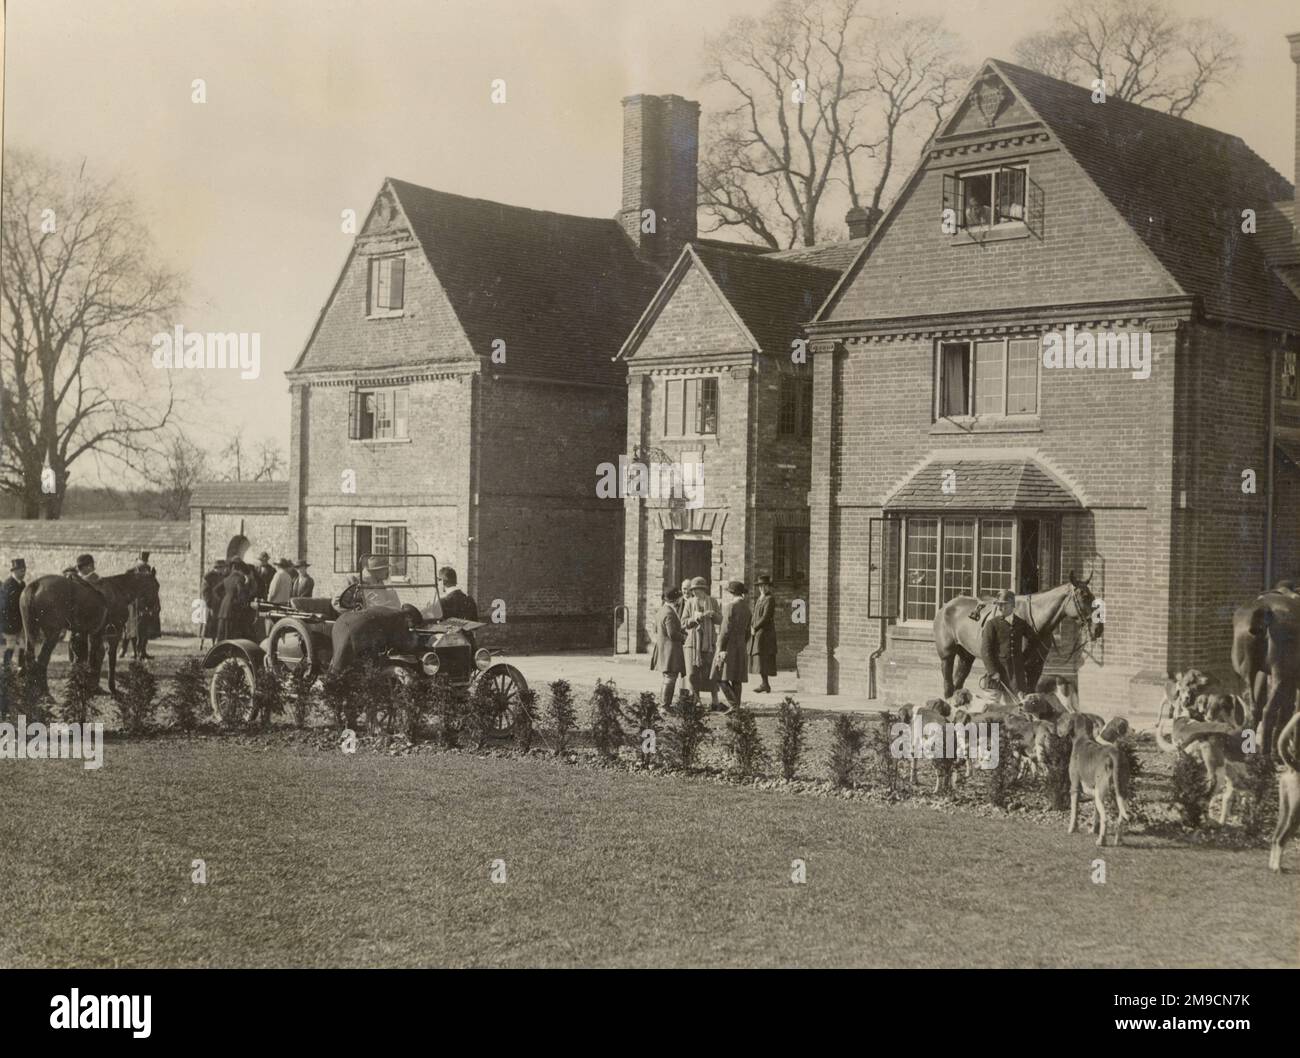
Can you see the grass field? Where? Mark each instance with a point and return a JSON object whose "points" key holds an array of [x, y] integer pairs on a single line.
{"points": [[324, 859]]}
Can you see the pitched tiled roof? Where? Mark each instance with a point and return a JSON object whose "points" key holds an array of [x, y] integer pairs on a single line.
{"points": [[772, 297], [562, 291], [983, 484], [1181, 186], [258, 494], [150, 536], [836, 255]]}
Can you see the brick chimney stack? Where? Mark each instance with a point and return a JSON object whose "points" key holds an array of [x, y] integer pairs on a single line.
{"points": [[661, 146], [861, 220], [1294, 40]]}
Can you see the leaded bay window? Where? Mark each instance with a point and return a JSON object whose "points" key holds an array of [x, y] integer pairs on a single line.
{"points": [[949, 555], [987, 378]]}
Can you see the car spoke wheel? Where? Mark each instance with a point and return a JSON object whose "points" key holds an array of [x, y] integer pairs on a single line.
{"points": [[231, 691], [504, 686], [388, 714]]}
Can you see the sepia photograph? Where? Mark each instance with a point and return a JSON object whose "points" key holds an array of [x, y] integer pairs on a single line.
{"points": [[592, 484]]}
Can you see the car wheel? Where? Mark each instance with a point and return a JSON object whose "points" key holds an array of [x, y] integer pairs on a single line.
{"points": [[230, 693], [504, 685]]}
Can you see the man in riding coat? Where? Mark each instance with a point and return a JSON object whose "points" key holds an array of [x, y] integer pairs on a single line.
{"points": [[83, 572], [11, 617], [1002, 649]]}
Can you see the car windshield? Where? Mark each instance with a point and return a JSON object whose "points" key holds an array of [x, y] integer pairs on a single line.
{"points": [[409, 579]]}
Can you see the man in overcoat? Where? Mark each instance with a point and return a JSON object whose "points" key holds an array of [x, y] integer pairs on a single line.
{"points": [[667, 654], [11, 617], [762, 635], [211, 579], [731, 662]]}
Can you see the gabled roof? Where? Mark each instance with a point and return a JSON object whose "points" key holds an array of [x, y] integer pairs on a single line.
{"points": [[769, 298], [984, 485], [1181, 186], [234, 494], [561, 291]]}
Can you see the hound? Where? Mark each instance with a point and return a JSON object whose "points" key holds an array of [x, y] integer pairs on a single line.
{"points": [[1095, 767], [1288, 792]]}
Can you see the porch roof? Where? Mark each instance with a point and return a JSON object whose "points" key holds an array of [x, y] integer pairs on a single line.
{"points": [[1013, 484]]}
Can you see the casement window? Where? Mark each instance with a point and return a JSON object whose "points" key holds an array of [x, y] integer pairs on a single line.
{"points": [[690, 407], [986, 200], [387, 293], [379, 414], [1289, 388], [357, 539], [919, 562], [790, 554], [795, 416], [987, 378]]}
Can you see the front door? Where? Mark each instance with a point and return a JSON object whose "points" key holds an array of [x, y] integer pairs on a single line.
{"points": [[692, 558]]}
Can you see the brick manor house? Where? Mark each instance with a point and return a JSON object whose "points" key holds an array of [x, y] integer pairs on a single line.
{"points": [[948, 459], [464, 383]]}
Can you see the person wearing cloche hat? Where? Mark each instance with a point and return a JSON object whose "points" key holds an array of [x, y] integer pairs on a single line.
{"points": [[762, 635], [700, 618], [731, 663]]}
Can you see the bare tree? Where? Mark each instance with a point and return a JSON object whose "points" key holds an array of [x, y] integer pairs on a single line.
{"points": [[1141, 49], [173, 474], [818, 94], [261, 462], [80, 294]]}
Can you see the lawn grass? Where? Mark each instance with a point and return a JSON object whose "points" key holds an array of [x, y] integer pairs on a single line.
{"points": [[325, 859]]}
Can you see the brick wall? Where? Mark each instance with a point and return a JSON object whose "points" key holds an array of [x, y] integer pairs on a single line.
{"points": [[547, 546], [50, 547]]}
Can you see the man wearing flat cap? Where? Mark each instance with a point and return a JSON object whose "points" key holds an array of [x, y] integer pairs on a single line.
{"points": [[370, 589], [1002, 647], [668, 655], [731, 662]]}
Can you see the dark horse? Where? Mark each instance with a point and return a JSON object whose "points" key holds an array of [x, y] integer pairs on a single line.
{"points": [[52, 605], [1266, 655], [957, 637]]}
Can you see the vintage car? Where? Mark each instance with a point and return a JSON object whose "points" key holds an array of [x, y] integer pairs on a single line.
{"points": [[298, 647]]}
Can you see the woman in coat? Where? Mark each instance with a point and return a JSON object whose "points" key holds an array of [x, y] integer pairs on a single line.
{"points": [[701, 617], [762, 635], [730, 664], [668, 655]]}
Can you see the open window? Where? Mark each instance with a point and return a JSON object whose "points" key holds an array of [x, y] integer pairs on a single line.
{"points": [[387, 287], [988, 378], [988, 199]]}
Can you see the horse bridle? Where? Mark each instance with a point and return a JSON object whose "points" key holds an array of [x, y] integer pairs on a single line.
{"points": [[1041, 641]]}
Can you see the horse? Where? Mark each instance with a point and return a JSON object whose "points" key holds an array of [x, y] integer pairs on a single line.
{"points": [[54, 604], [1266, 655], [957, 637]]}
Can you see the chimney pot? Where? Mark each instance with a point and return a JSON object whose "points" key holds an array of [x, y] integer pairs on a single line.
{"points": [[861, 220]]}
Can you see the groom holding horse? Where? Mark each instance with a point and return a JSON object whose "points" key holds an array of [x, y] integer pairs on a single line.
{"points": [[52, 605]]}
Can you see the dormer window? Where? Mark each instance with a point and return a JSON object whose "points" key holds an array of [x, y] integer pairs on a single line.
{"points": [[991, 197], [387, 290]]}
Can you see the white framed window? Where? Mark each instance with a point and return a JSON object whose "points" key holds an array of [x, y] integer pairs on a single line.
{"points": [[690, 407], [379, 414], [968, 554], [987, 378], [1289, 388], [387, 287], [990, 197]]}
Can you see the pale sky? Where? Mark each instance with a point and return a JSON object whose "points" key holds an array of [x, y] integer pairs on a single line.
{"points": [[310, 103]]}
